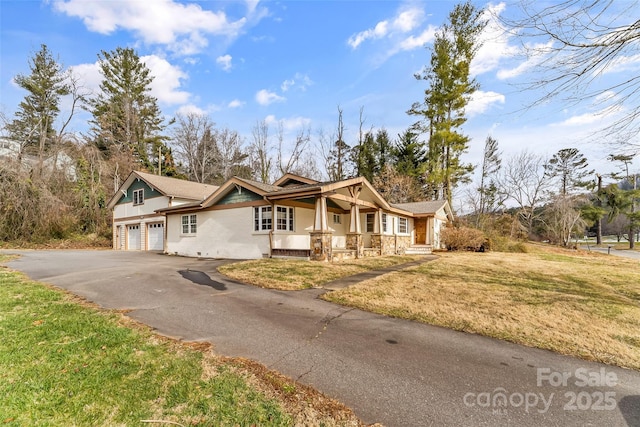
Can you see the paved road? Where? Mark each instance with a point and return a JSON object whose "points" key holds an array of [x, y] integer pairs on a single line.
{"points": [[625, 253], [395, 372]]}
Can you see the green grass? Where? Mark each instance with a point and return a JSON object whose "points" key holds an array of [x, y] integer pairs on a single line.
{"points": [[65, 363]]}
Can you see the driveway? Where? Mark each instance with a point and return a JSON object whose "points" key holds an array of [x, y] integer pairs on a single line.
{"points": [[396, 372]]}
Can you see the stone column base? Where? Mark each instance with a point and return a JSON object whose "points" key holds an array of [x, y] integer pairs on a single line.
{"points": [[355, 243], [321, 246]]}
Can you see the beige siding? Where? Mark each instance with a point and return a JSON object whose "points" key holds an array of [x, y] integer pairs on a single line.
{"points": [[300, 238], [226, 233], [149, 206]]}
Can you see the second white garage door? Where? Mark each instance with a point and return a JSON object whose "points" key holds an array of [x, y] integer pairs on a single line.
{"points": [[155, 232], [133, 237]]}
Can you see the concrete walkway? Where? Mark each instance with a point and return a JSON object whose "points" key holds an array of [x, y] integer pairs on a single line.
{"points": [[343, 282]]}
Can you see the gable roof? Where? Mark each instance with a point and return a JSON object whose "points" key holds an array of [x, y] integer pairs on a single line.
{"points": [[291, 179], [171, 187], [425, 207]]}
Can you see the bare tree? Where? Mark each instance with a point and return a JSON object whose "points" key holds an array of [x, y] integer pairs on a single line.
{"points": [[524, 180], [573, 43], [195, 145], [231, 157], [290, 161], [562, 219], [336, 152], [260, 152]]}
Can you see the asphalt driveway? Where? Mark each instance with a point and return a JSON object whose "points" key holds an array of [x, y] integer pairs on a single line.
{"points": [[396, 372]]}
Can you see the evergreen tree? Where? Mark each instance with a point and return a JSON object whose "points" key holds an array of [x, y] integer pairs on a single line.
{"points": [[569, 167], [125, 116], [410, 155], [366, 157], [450, 88], [488, 189], [46, 84]]}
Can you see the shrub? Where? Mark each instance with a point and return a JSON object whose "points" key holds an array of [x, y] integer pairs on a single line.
{"points": [[463, 239]]}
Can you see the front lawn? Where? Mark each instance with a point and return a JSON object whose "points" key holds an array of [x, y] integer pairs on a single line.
{"points": [[293, 274], [576, 303], [65, 362]]}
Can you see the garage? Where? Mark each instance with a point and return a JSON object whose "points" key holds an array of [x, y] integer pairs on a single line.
{"points": [[133, 237], [155, 235]]}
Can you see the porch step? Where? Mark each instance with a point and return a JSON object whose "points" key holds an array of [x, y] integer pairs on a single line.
{"points": [[419, 250]]}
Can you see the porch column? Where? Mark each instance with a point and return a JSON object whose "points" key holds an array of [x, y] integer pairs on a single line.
{"points": [[320, 222], [321, 237], [354, 236]]}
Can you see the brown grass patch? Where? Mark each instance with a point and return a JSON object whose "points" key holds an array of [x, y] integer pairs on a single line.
{"points": [[291, 274], [576, 303]]}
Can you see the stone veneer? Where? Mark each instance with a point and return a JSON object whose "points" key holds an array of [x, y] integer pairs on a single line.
{"points": [[390, 244], [321, 249], [355, 243]]}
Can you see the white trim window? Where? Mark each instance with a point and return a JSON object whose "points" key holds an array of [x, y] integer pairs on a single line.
{"points": [[189, 224], [384, 223], [370, 220], [403, 225], [337, 219], [138, 197], [284, 218], [262, 218]]}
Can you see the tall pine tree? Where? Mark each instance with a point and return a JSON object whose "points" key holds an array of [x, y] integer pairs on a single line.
{"points": [[33, 124], [443, 110], [126, 117]]}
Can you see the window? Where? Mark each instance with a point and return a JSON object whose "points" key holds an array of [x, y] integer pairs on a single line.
{"points": [[138, 197], [337, 219], [284, 218], [371, 219], [403, 225], [384, 222], [262, 218], [189, 224]]}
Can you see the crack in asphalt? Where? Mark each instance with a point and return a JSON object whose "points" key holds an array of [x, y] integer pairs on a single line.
{"points": [[327, 322]]}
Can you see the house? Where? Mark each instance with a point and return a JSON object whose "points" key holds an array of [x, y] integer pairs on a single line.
{"points": [[136, 224], [297, 217], [59, 160]]}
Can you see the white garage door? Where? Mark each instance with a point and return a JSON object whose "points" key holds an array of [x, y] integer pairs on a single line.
{"points": [[156, 236], [133, 237]]}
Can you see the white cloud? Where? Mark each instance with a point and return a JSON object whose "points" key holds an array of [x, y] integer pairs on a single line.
{"points": [[181, 27], [89, 75], [289, 124], [414, 42], [224, 62], [481, 101], [287, 84], [537, 54], [299, 81], [592, 117], [495, 42], [165, 85], [236, 103], [264, 97], [623, 64], [191, 109], [167, 80], [404, 22]]}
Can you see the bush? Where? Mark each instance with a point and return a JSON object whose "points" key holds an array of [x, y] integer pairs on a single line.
{"points": [[463, 239]]}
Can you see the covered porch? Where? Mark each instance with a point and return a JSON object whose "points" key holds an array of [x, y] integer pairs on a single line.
{"points": [[344, 220]]}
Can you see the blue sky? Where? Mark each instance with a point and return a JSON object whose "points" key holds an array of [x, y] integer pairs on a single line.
{"points": [[294, 63]]}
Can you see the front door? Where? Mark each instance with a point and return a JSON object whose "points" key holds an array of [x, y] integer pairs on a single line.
{"points": [[421, 230]]}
